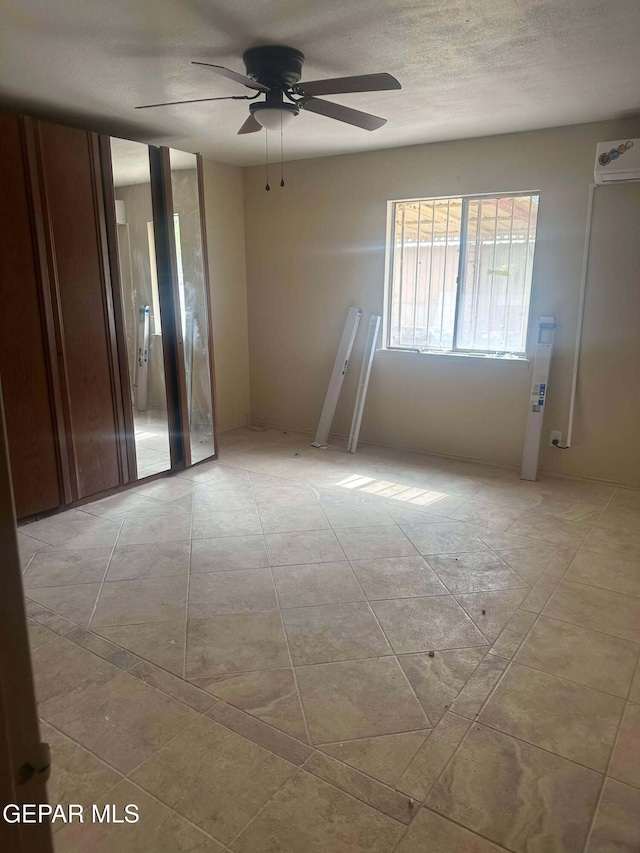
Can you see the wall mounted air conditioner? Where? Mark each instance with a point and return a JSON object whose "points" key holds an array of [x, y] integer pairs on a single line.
{"points": [[618, 161]]}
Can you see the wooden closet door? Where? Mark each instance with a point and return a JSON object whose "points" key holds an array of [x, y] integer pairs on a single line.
{"points": [[69, 168], [24, 359]]}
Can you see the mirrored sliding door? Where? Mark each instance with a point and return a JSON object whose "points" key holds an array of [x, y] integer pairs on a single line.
{"points": [[157, 247], [140, 302], [193, 290]]}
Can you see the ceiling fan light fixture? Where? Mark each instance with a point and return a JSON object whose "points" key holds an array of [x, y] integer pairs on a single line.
{"points": [[273, 117]]}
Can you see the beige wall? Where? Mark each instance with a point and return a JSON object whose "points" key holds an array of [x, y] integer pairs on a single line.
{"points": [[318, 246], [227, 275]]}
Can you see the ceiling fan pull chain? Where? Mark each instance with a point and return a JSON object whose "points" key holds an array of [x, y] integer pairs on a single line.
{"points": [[281, 154], [266, 148]]}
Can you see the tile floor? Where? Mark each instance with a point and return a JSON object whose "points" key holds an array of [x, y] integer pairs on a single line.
{"points": [[152, 443], [298, 650]]}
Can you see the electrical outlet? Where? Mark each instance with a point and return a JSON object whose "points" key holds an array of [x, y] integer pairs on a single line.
{"points": [[556, 435]]}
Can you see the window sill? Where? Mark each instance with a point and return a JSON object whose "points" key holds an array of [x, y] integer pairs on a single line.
{"points": [[518, 359]]}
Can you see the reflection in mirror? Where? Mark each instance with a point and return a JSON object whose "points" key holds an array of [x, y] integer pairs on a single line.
{"points": [[141, 308], [194, 307]]}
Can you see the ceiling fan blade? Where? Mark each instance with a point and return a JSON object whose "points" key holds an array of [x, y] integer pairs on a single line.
{"points": [[340, 113], [250, 125], [346, 85], [193, 101], [233, 75]]}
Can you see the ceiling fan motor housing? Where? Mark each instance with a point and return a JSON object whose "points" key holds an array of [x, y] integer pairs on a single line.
{"points": [[275, 66], [273, 114]]}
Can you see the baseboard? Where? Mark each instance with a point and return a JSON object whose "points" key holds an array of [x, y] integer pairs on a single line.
{"points": [[229, 428], [611, 483]]}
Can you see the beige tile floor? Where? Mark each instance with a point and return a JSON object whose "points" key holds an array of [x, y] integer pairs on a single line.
{"points": [[295, 650], [152, 442]]}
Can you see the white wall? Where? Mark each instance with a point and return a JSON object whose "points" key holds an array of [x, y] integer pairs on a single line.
{"points": [[318, 246], [227, 274]]}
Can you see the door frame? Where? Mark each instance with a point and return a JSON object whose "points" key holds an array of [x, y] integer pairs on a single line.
{"points": [[24, 760]]}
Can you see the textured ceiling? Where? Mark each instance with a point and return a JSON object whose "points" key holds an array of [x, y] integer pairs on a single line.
{"points": [[467, 67]]}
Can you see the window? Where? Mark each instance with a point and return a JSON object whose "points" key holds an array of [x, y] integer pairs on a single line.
{"points": [[460, 274]]}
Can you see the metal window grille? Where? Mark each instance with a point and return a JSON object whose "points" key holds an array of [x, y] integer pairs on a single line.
{"points": [[461, 272]]}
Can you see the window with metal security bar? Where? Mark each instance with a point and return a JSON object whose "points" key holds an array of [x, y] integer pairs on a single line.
{"points": [[460, 272]]}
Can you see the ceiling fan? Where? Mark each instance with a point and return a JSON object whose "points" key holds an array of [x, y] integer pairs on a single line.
{"points": [[275, 71]]}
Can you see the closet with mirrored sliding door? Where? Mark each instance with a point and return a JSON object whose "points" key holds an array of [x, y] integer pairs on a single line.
{"points": [[106, 353]]}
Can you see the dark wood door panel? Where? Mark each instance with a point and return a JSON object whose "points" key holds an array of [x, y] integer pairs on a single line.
{"points": [[70, 192], [23, 358]]}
